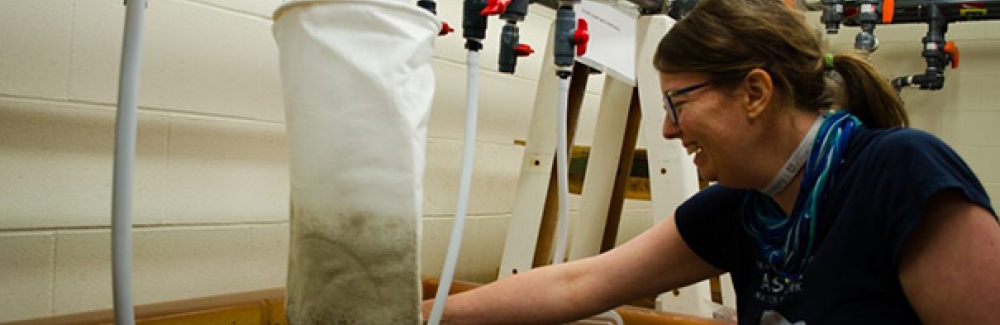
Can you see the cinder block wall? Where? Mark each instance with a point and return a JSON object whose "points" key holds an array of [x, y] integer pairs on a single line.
{"points": [[211, 181], [210, 176]]}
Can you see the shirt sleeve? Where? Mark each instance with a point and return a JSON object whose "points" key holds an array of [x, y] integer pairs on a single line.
{"points": [[709, 224], [916, 165]]}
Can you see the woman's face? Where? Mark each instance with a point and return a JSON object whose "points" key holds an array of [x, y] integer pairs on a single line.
{"points": [[710, 125]]}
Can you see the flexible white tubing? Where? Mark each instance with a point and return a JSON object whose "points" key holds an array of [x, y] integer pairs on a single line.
{"points": [[464, 184], [125, 133], [606, 318], [613, 315], [562, 172]]}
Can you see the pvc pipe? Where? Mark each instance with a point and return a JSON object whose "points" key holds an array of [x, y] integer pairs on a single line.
{"points": [[464, 184], [562, 172], [125, 134]]}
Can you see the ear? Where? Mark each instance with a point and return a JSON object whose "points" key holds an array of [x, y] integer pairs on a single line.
{"points": [[759, 89]]}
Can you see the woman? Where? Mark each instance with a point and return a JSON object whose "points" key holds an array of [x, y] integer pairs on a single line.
{"points": [[821, 216]]}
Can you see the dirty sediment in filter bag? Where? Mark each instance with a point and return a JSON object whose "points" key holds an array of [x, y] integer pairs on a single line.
{"points": [[358, 87]]}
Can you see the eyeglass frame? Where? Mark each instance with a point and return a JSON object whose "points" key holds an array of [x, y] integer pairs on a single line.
{"points": [[669, 102]]}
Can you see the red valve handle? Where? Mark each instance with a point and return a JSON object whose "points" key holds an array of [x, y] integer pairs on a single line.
{"points": [[851, 12], [445, 29], [523, 50], [581, 36], [952, 49], [495, 7]]}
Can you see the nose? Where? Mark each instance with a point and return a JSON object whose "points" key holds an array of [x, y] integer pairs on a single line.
{"points": [[671, 130]]}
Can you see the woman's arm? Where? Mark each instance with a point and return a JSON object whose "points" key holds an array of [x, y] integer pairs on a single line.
{"points": [[656, 261], [950, 265]]}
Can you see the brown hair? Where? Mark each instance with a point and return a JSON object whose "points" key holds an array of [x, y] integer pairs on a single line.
{"points": [[726, 39]]}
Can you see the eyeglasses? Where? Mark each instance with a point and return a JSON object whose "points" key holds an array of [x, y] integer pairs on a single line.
{"points": [[668, 98]]}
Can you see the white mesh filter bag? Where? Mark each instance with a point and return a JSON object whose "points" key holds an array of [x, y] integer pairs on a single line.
{"points": [[358, 87]]}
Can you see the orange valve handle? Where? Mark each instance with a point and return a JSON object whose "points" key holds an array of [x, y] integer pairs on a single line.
{"points": [[952, 50], [888, 11]]}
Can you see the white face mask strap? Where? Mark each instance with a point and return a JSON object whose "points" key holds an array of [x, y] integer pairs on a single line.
{"points": [[795, 162]]}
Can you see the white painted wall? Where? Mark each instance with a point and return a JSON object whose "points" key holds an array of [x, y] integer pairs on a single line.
{"points": [[211, 173]]}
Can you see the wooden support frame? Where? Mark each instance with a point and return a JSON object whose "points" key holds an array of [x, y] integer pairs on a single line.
{"points": [[602, 169], [526, 229], [627, 113]]}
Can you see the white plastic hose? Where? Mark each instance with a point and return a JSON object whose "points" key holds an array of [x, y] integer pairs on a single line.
{"points": [[606, 318], [464, 184], [121, 193], [562, 172], [613, 316]]}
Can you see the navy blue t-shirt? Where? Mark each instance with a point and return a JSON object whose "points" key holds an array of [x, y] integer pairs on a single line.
{"points": [[870, 207]]}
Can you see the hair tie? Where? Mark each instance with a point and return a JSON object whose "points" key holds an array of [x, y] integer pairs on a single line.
{"points": [[828, 60]]}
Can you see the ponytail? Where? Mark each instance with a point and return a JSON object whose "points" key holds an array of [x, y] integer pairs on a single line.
{"points": [[866, 95]]}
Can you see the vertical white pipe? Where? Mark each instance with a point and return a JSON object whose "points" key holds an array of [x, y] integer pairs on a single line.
{"points": [[464, 185], [562, 172], [125, 133]]}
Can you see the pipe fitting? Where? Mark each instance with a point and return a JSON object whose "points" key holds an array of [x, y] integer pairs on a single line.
{"points": [[833, 15]]}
